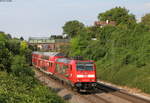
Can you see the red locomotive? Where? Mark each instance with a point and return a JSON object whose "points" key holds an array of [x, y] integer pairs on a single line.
{"points": [[80, 74]]}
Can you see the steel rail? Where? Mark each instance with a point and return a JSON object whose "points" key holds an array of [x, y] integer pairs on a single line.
{"points": [[121, 94]]}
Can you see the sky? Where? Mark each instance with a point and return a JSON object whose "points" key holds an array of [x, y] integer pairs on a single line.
{"points": [[42, 18]]}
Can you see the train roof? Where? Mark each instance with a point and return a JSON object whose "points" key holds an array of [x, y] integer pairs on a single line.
{"points": [[67, 60], [50, 53]]}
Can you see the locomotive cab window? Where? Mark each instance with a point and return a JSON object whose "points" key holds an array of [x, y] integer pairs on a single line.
{"points": [[85, 66]]}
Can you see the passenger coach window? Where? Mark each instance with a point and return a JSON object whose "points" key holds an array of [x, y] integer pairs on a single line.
{"points": [[64, 68], [58, 68]]}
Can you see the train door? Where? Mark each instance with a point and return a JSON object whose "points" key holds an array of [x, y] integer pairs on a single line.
{"points": [[38, 63], [67, 71], [58, 70], [45, 65], [51, 67], [70, 72]]}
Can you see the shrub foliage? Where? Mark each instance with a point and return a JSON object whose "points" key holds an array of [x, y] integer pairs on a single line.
{"points": [[17, 82]]}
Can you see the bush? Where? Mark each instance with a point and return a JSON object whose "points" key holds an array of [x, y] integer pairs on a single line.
{"points": [[19, 85], [19, 67], [5, 60], [13, 90]]}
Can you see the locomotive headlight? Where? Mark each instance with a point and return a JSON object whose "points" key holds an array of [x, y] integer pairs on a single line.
{"points": [[91, 75], [80, 76]]}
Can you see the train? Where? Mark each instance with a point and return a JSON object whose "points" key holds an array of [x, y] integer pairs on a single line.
{"points": [[78, 74]]}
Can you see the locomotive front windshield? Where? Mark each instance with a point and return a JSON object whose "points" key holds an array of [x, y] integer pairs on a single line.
{"points": [[85, 66]]}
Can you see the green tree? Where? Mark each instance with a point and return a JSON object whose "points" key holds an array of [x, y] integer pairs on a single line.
{"points": [[9, 36], [5, 59], [23, 47], [28, 55], [20, 67], [5, 54], [21, 38], [13, 45], [118, 14], [79, 43], [3, 37], [146, 20], [71, 28], [93, 31]]}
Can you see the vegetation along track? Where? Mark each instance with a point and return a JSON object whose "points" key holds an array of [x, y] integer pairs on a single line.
{"points": [[101, 94]]}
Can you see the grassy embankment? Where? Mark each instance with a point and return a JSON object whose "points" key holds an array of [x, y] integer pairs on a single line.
{"points": [[127, 59]]}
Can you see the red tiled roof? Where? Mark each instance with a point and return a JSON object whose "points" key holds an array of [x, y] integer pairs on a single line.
{"points": [[104, 23]]}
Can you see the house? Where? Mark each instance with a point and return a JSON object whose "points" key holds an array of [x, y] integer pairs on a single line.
{"points": [[104, 23], [53, 43]]}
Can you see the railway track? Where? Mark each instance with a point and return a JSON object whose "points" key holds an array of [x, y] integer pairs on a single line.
{"points": [[102, 93], [121, 94], [86, 96]]}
